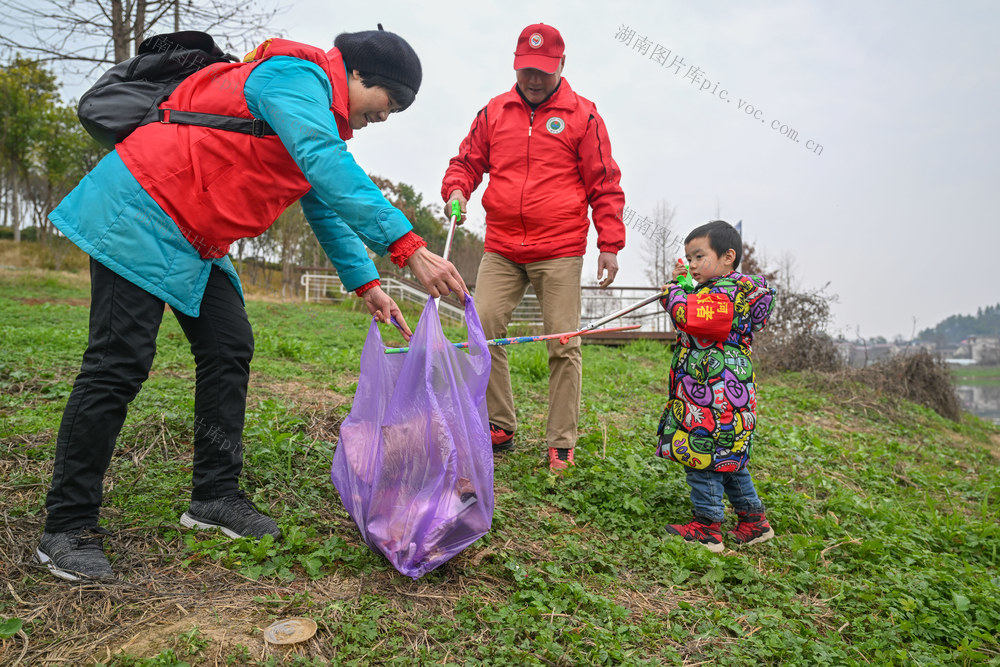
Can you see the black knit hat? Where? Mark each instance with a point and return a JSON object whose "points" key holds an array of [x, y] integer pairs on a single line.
{"points": [[382, 53]]}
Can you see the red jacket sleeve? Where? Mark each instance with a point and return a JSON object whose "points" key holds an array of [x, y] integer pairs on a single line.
{"points": [[465, 170], [601, 176]]}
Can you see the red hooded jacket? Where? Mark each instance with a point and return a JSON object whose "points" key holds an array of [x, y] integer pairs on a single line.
{"points": [[546, 167]]}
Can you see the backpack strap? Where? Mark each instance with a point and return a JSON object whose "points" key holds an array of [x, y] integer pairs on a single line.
{"points": [[254, 126]]}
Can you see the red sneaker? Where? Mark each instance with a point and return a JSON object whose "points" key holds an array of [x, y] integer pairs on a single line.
{"points": [[503, 440], [556, 464], [708, 534], [751, 528]]}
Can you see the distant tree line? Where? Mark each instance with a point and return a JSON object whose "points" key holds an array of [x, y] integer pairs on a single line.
{"points": [[44, 152], [954, 329]]}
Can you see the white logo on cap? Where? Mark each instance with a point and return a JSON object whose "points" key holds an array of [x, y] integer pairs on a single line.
{"points": [[535, 40]]}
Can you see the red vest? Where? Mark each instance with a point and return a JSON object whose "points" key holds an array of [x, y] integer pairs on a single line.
{"points": [[219, 186]]}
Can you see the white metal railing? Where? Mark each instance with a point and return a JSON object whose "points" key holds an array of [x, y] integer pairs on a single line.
{"points": [[322, 287], [327, 287], [597, 303], [529, 311]]}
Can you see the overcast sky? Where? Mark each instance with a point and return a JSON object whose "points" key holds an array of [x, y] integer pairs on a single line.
{"points": [[903, 97]]}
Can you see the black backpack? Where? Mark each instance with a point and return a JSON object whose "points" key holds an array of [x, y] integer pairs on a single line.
{"points": [[128, 95]]}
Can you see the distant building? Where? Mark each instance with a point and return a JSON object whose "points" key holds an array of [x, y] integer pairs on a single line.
{"points": [[984, 349], [859, 355]]}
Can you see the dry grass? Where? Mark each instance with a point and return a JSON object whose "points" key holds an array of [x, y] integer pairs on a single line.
{"points": [[920, 377], [82, 623], [59, 253], [160, 598], [880, 389], [86, 622]]}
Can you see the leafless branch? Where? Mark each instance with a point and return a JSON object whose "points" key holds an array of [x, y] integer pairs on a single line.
{"points": [[90, 33]]}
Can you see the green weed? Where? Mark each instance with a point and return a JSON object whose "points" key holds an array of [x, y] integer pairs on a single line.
{"points": [[887, 515]]}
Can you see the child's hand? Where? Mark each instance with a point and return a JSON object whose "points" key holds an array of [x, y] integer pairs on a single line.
{"points": [[680, 269]]}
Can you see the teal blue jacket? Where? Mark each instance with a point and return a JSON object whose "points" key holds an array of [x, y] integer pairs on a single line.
{"points": [[111, 218]]}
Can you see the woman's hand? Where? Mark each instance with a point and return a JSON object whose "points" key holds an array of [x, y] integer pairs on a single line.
{"points": [[385, 309]]}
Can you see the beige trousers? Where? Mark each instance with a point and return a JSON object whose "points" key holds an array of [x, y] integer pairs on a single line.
{"points": [[500, 286]]}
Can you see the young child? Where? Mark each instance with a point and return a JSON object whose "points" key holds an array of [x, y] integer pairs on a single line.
{"points": [[709, 420]]}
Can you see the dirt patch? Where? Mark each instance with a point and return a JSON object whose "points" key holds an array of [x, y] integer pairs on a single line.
{"points": [[217, 630], [640, 597], [309, 396], [225, 628], [322, 408], [643, 599]]}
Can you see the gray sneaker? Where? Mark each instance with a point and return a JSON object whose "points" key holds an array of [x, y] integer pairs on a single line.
{"points": [[76, 554], [235, 515]]}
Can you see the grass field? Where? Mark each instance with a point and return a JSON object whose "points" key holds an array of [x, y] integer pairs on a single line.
{"points": [[887, 516], [978, 375]]}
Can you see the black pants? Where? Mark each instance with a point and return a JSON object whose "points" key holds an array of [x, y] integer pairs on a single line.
{"points": [[124, 321]]}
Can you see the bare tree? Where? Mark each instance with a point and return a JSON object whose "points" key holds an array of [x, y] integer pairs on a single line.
{"points": [[755, 263], [663, 246], [785, 277], [85, 34]]}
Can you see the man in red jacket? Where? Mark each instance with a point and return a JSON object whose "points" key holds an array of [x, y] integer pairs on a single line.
{"points": [[548, 156]]}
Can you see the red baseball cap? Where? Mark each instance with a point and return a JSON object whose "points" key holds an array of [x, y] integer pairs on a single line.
{"points": [[541, 47]]}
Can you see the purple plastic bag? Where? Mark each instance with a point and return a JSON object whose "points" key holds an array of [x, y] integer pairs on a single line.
{"points": [[414, 462]]}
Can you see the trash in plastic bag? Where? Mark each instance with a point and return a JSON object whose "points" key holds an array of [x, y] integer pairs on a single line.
{"points": [[414, 463]]}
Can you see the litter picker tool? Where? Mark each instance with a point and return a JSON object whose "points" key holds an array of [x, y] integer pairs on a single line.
{"points": [[498, 342], [624, 311], [456, 215]]}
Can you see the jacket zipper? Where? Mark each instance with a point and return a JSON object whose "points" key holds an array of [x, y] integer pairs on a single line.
{"points": [[524, 227]]}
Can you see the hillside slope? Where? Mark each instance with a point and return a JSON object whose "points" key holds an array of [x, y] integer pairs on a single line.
{"points": [[888, 522]]}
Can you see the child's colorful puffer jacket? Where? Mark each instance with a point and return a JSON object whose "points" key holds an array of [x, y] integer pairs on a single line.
{"points": [[708, 422]]}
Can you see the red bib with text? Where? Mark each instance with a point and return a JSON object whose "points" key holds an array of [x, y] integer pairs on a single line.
{"points": [[709, 316]]}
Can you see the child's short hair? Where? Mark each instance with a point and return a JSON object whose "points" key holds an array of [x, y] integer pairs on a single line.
{"points": [[722, 236]]}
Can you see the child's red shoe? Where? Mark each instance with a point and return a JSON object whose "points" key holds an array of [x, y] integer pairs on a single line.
{"points": [[751, 528], [708, 533]]}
